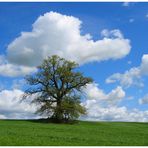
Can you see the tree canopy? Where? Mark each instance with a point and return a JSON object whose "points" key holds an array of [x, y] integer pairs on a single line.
{"points": [[56, 88]]}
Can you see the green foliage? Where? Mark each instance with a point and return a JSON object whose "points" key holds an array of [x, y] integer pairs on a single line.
{"points": [[57, 89], [31, 133], [71, 108]]}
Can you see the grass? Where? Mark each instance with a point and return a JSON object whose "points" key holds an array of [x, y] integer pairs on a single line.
{"points": [[29, 133]]}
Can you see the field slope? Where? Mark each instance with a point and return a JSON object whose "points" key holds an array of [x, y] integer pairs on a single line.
{"points": [[13, 133]]}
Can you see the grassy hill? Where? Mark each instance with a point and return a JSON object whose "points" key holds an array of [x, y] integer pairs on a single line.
{"points": [[29, 133]]}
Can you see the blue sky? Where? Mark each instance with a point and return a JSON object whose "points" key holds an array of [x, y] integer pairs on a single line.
{"points": [[128, 20]]}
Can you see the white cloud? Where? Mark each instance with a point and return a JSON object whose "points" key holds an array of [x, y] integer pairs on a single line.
{"points": [[93, 92], [2, 117], [144, 100], [144, 65], [54, 33], [116, 95], [111, 34], [13, 70], [11, 107], [132, 76], [101, 106], [96, 113]]}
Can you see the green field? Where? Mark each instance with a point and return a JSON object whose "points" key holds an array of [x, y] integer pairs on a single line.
{"points": [[32, 133]]}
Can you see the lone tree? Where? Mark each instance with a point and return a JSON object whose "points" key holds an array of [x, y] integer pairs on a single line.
{"points": [[56, 88]]}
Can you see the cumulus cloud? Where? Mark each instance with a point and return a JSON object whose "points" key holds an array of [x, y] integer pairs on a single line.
{"points": [[111, 34], [97, 112], [11, 107], [55, 33], [102, 106], [131, 76], [13, 70], [144, 100], [144, 65], [93, 92]]}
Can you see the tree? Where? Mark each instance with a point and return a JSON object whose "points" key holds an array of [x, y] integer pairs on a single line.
{"points": [[56, 88]]}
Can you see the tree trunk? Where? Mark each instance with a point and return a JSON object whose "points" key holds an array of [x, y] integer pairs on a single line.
{"points": [[58, 115]]}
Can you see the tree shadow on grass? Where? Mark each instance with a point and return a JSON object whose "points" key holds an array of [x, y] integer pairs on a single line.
{"points": [[50, 120]]}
